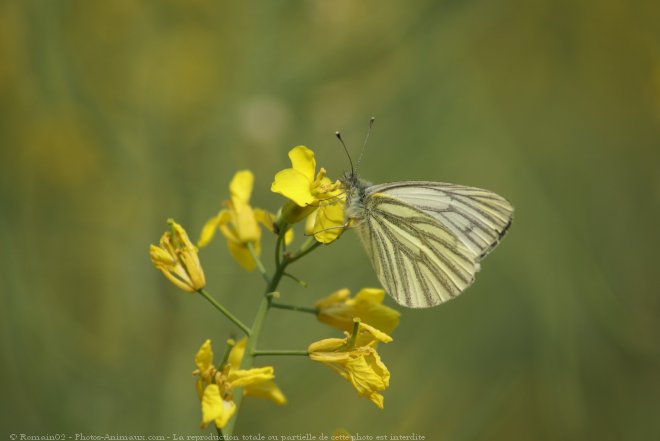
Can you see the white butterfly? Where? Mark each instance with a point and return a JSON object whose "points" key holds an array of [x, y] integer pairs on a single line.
{"points": [[425, 239]]}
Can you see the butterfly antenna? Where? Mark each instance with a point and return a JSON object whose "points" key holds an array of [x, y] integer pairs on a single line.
{"points": [[364, 146], [338, 135]]}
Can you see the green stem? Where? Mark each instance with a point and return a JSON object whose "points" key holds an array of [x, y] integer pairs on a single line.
{"points": [[281, 263], [260, 265], [278, 245], [248, 358], [307, 248], [225, 311], [294, 308], [256, 329], [297, 280], [280, 352]]}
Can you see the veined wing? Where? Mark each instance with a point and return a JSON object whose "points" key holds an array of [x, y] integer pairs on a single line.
{"points": [[421, 262], [478, 218]]}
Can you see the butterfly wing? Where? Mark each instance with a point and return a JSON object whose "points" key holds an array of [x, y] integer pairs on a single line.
{"points": [[426, 239]]}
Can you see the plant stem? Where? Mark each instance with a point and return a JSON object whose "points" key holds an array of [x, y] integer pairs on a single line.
{"points": [[264, 306], [260, 265], [278, 246], [225, 311], [280, 352], [307, 248], [294, 308], [297, 280]]}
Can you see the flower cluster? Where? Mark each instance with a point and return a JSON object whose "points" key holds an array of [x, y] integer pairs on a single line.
{"points": [[317, 200], [312, 196], [356, 360], [176, 258], [239, 222], [338, 310], [214, 385]]}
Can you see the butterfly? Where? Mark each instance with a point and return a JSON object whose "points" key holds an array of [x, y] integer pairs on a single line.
{"points": [[425, 239]]}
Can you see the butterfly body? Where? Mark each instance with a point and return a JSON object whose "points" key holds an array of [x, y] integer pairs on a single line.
{"points": [[355, 197], [425, 239]]}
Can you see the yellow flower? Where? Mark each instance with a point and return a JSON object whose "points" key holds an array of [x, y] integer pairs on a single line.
{"points": [[177, 259], [215, 386], [310, 193], [325, 222], [338, 310], [238, 222], [265, 389], [356, 360]]}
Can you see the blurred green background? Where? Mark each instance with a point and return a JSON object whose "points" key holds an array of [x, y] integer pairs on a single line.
{"points": [[117, 115]]}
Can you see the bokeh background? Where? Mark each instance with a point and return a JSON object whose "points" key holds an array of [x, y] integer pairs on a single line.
{"points": [[117, 115]]}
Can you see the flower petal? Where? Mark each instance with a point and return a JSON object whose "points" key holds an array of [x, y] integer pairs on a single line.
{"points": [[182, 283], [193, 269], [374, 361], [368, 336], [160, 257], [242, 255], [199, 387], [370, 295], [211, 226], [326, 345], [240, 188], [244, 377], [181, 239], [208, 231], [245, 224], [228, 409], [177, 259], [236, 354], [310, 222], [204, 357], [212, 406], [265, 218], [293, 185], [377, 399], [288, 237], [266, 389], [329, 220], [330, 357], [302, 160], [367, 305], [338, 310], [335, 298], [363, 378]]}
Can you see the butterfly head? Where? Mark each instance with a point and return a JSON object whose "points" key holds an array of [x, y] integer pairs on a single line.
{"points": [[349, 180], [356, 194]]}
